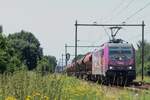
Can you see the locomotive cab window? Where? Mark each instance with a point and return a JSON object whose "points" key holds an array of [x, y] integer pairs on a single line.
{"points": [[116, 52]]}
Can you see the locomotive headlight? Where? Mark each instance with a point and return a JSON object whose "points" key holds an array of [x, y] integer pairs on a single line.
{"points": [[130, 67], [110, 67]]}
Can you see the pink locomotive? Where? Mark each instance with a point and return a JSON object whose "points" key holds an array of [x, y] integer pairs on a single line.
{"points": [[112, 62]]}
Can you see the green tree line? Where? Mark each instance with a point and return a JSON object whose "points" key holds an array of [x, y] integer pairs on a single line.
{"points": [[146, 57], [22, 50]]}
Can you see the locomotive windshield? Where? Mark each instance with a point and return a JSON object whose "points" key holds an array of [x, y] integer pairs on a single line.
{"points": [[123, 52]]}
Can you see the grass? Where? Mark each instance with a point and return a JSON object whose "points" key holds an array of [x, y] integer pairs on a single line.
{"points": [[146, 78], [34, 86]]}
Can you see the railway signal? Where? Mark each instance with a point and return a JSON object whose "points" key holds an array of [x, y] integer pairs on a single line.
{"points": [[67, 56]]}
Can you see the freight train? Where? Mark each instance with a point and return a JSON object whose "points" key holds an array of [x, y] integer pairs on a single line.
{"points": [[112, 62]]}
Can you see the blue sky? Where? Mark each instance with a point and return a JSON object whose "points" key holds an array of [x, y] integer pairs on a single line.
{"points": [[52, 21]]}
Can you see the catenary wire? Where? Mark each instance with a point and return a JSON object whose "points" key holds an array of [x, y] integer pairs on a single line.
{"points": [[148, 4], [123, 9], [126, 7], [115, 9]]}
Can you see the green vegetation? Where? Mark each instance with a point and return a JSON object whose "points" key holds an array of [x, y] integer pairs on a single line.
{"points": [[47, 64], [146, 58], [27, 47], [21, 51], [8, 58], [146, 79], [29, 85]]}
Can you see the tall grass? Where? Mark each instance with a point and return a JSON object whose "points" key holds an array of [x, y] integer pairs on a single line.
{"points": [[146, 78], [25, 85]]}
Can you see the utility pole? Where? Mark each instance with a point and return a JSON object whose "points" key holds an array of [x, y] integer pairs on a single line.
{"points": [[62, 62], [76, 44], [143, 50], [76, 41], [66, 54]]}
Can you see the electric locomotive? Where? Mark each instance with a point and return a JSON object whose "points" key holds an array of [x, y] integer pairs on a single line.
{"points": [[114, 61]]}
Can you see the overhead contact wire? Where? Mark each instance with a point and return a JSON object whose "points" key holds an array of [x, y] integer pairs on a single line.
{"points": [[148, 4], [126, 7]]}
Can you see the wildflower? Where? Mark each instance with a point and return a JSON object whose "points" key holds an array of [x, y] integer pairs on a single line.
{"points": [[28, 98], [10, 98], [36, 94], [136, 94], [46, 98]]}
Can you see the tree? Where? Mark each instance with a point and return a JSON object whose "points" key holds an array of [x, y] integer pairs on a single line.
{"points": [[8, 60], [23, 49], [27, 46], [146, 57], [3, 53], [47, 64], [52, 61]]}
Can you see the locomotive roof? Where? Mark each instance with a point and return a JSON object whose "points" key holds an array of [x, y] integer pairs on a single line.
{"points": [[119, 45]]}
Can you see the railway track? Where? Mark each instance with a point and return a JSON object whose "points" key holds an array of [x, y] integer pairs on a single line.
{"points": [[134, 86], [140, 85]]}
